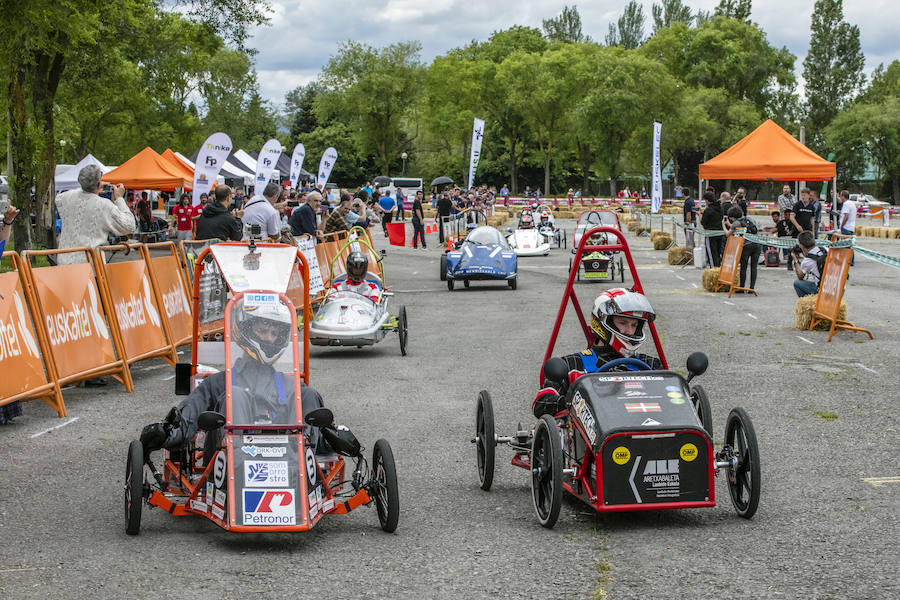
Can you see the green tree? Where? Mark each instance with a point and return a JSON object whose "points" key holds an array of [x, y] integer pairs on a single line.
{"points": [[734, 9], [833, 68], [628, 31], [373, 91], [669, 12], [299, 103], [566, 27]]}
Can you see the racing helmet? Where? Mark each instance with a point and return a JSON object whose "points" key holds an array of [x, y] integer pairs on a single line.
{"points": [[545, 217], [526, 221], [263, 332], [598, 239], [357, 266], [622, 303]]}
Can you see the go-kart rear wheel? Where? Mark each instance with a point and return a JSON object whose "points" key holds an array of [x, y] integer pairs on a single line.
{"points": [[546, 471], [384, 478], [450, 284], [466, 283], [564, 239], [443, 267], [134, 487], [513, 283], [621, 270], [485, 442], [702, 408], [744, 478], [402, 329]]}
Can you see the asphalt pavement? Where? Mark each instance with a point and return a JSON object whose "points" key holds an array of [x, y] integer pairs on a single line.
{"points": [[825, 415]]}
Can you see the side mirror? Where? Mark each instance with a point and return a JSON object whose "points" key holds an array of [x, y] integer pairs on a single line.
{"points": [[697, 363], [556, 370], [320, 417], [342, 441], [210, 420]]}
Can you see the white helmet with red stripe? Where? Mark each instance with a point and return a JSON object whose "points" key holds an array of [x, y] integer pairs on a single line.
{"points": [[619, 302]]}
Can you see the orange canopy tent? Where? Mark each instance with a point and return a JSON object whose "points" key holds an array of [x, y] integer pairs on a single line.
{"points": [[149, 170], [769, 153], [178, 164]]}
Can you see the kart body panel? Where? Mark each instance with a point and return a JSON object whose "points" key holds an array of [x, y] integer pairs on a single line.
{"points": [[349, 319], [483, 255], [529, 242]]}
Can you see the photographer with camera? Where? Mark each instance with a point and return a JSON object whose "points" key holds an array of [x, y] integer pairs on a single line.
{"points": [[88, 219], [809, 259], [736, 222]]}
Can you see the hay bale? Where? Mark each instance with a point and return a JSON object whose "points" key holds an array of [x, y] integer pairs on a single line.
{"points": [[896, 232], [885, 232], [711, 276], [655, 233], [680, 255], [662, 241], [803, 313], [640, 230], [634, 225]]}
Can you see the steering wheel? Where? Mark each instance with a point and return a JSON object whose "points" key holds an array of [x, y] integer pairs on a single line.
{"points": [[632, 364]]}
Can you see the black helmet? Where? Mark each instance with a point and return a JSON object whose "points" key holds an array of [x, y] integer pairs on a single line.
{"points": [[357, 266]]}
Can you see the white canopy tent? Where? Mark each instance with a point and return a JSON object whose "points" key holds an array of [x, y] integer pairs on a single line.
{"points": [[68, 179]]}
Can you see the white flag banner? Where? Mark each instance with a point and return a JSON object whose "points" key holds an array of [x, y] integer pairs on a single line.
{"points": [[329, 157], [210, 159], [656, 183], [477, 134], [307, 245], [265, 163], [297, 164]]}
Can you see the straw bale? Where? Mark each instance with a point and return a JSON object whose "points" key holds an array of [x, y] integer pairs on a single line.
{"points": [[711, 276], [803, 313], [655, 233], [641, 230], [680, 255], [662, 241]]}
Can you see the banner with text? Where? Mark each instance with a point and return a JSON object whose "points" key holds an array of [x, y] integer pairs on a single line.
{"points": [[19, 351], [477, 134], [210, 159], [656, 183], [297, 164], [135, 307], [265, 164], [329, 157]]}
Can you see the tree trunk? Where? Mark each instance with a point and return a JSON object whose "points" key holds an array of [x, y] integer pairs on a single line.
{"points": [[895, 182], [20, 154], [44, 85], [547, 168], [612, 187]]}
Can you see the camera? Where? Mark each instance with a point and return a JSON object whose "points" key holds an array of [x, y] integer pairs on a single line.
{"points": [[254, 231], [796, 250]]}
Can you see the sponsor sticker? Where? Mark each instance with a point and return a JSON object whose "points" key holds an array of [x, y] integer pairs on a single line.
{"points": [[265, 439], [209, 492], [675, 395], [621, 455], [630, 378], [220, 498], [264, 451], [269, 507], [688, 452], [219, 470], [218, 512], [661, 476], [311, 466], [198, 505], [642, 407], [269, 473], [634, 384], [678, 400], [260, 300], [585, 416], [648, 422], [634, 393], [673, 388]]}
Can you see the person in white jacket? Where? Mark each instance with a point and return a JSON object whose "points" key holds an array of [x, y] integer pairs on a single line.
{"points": [[87, 218]]}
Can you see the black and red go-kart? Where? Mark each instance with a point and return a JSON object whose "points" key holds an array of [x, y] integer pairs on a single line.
{"points": [[627, 441], [254, 469]]}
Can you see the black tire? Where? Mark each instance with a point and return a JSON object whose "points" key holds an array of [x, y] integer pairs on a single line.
{"points": [[402, 329], [514, 282], [450, 284], [702, 408], [621, 270], [564, 239], [744, 480], [546, 471], [134, 487], [466, 283], [578, 275], [384, 478], [443, 267], [570, 265], [485, 444]]}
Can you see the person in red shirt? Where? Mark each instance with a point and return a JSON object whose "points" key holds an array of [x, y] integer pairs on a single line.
{"points": [[357, 268], [185, 215]]}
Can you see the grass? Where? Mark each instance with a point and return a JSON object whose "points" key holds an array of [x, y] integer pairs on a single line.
{"points": [[826, 415], [6, 263]]}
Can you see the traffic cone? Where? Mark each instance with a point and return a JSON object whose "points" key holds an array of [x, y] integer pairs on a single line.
{"points": [[451, 240]]}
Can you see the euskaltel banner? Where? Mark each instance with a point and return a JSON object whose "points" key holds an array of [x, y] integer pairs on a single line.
{"points": [[135, 306], [20, 355]]}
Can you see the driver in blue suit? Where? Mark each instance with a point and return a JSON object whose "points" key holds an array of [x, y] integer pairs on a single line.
{"points": [[619, 319]]}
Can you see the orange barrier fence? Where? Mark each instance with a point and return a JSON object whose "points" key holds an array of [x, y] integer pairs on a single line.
{"points": [[24, 349], [129, 288], [730, 260], [831, 291], [72, 312], [173, 297]]}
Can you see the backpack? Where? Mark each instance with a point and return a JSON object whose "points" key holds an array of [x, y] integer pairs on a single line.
{"points": [[749, 224], [820, 261]]}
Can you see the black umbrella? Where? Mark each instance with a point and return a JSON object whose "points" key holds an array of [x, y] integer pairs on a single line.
{"points": [[441, 181], [382, 180]]}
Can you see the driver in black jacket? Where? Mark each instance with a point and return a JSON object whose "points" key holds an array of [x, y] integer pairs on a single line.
{"points": [[260, 393], [619, 319]]}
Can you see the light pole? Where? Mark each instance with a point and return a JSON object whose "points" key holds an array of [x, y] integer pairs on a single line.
{"points": [[62, 150], [404, 156]]}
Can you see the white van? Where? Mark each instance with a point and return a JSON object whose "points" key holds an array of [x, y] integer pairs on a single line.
{"points": [[408, 186]]}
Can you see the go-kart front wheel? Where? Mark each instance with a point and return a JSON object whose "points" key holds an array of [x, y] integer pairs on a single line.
{"points": [[466, 283], [485, 441], [443, 267], [744, 477], [513, 283], [621, 270], [402, 329], [702, 408], [450, 284], [134, 487], [546, 471], [384, 478]]}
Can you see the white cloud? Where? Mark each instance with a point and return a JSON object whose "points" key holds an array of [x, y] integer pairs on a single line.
{"points": [[304, 33]]}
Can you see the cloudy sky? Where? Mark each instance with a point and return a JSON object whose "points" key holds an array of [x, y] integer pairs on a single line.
{"points": [[303, 34]]}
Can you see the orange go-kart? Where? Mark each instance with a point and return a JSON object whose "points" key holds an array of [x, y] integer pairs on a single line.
{"points": [[253, 469]]}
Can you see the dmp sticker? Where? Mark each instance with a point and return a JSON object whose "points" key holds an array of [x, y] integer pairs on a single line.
{"points": [[621, 455], [688, 452]]}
